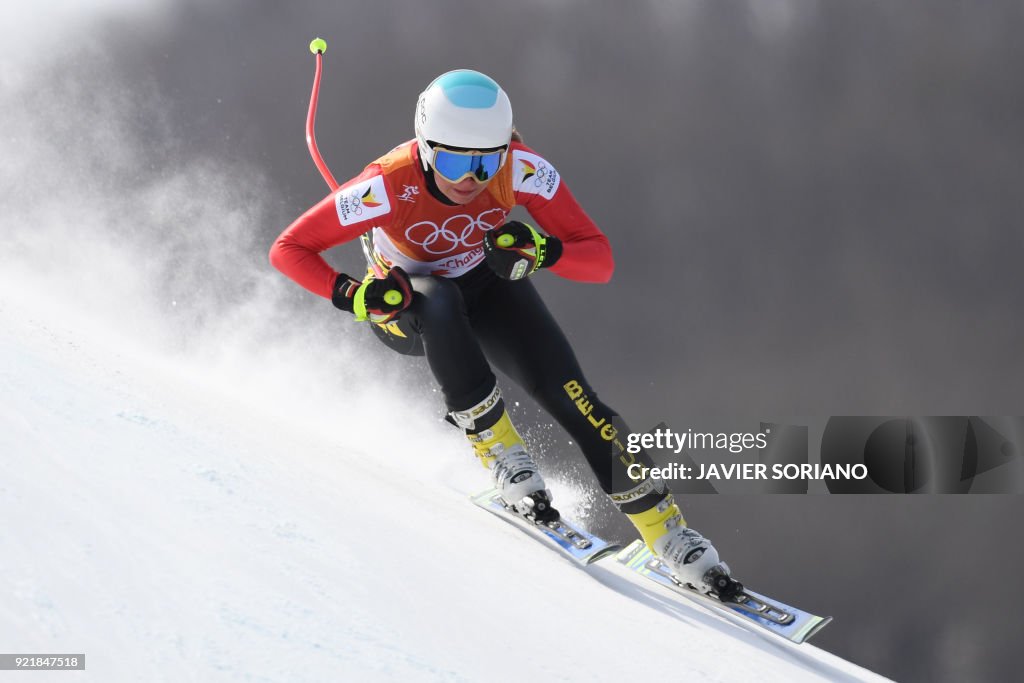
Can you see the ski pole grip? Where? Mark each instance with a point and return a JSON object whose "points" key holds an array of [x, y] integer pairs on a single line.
{"points": [[392, 297], [505, 241]]}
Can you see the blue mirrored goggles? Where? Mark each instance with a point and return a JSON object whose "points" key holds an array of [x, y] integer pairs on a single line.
{"points": [[455, 165]]}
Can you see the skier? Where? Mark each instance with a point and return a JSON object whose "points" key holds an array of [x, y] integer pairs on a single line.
{"points": [[457, 282]]}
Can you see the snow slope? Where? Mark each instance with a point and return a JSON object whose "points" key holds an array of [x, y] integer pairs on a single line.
{"points": [[176, 523]]}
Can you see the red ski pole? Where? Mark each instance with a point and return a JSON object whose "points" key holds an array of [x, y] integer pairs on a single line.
{"points": [[318, 47]]}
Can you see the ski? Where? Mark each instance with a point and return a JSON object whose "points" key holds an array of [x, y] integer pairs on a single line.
{"points": [[791, 623], [583, 547]]}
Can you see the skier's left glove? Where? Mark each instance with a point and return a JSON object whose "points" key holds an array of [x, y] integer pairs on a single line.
{"points": [[515, 250], [377, 300]]}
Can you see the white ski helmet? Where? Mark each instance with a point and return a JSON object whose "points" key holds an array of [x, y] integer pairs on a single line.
{"points": [[462, 108]]}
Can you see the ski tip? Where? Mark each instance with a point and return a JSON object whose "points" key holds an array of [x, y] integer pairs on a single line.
{"points": [[813, 630], [485, 497], [611, 549], [635, 555]]}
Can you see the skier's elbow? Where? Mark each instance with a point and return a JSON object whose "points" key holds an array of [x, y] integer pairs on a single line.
{"points": [[276, 255], [603, 273], [282, 252], [605, 265]]}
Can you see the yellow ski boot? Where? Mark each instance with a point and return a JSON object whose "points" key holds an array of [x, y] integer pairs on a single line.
{"points": [[689, 556], [501, 450]]}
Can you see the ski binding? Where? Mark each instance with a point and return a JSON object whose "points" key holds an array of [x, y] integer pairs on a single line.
{"points": [[583, 547], [791, 623]]}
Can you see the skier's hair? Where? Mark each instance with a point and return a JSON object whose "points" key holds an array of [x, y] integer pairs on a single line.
{"points": [[516, 137]]}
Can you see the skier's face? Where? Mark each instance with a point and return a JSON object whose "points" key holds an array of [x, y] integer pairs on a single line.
{"points": [[462, 192]]}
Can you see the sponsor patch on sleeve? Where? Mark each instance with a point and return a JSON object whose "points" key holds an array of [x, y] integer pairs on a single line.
{"points": [[533, 175], [364, 200]]}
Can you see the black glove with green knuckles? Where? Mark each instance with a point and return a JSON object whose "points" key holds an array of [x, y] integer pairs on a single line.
{"points": [[516, 249], [379, 300]]}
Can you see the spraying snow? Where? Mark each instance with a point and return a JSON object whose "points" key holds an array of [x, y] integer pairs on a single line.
{"points": [[173, 527]]}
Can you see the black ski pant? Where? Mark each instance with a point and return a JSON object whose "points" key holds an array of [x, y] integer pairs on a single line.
{"points": [[470, 322]]}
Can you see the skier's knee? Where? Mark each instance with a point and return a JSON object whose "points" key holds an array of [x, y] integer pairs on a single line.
{"points": [[436, 302]]}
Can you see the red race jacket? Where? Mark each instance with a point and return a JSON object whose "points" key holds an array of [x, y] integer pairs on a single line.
{"points": [[414, 230]]}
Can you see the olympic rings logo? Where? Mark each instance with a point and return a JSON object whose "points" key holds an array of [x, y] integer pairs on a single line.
{"points": [[353, 204], [540, 176], [461, 230]]}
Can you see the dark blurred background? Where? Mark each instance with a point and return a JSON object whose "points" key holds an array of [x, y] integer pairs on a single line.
{"points": [[816, 209]]}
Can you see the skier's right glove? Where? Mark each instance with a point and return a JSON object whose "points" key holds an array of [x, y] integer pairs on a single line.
{"points": [[377, 300]]}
